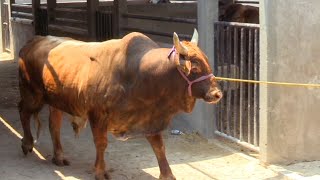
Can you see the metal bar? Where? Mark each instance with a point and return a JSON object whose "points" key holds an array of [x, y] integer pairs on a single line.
{"points": [[249, 66], [51, 5], [159, 18], [22, 20], [184, 36], [247, 145], [22, 14], [66, 20], [238, 24], [242, 55], [21, 8], [68, 29], [218, 54], [72, 10], [98, 28], [256, 90], [222, 101], [104, 27], [110, 24], [236, 91], [215, 68], [247, 2], [35, 13], [92, 7], [227, 88]]}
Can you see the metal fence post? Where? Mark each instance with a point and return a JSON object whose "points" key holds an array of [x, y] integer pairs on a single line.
{"points": [[119, 8], [92, 7], [35, 13]]}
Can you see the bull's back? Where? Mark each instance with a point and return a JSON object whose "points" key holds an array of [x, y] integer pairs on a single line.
{"points": [[67, 72], [40, 75], [33, 55]]}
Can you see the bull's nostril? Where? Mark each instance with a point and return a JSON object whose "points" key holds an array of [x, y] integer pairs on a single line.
{"points": [[218, 95]]}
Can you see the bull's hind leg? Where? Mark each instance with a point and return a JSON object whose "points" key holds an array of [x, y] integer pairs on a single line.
{"points": [[31, 103], [27, 140], [157, 144], [55, 121], [28, 106]]}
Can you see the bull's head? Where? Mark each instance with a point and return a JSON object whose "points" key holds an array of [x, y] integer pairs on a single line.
{"points": [[193, 65]]}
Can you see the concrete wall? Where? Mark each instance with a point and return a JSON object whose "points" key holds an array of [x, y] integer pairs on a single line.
{"points": [[22, 32], [290, 51]]}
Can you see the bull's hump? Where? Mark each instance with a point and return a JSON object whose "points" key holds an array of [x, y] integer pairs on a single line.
{"points": [[138, 38], [134, 34]]}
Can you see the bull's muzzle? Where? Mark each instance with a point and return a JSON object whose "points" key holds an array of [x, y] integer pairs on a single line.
{"points": [[213, 97]]}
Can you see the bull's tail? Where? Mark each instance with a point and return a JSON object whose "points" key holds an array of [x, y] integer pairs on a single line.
{"points": [[37, 124]]}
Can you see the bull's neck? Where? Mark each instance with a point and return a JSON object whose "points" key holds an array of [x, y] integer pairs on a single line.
{"points": [[169, 82]]}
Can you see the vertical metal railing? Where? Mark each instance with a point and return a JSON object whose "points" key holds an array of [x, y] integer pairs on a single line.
{"points": [[104, 25], [237, 56]]}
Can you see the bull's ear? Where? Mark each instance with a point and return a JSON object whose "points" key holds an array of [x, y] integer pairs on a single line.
{"points": [[178, 45], [195, 37]]}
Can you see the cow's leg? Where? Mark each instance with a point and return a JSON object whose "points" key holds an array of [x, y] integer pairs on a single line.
{"points": [[55, 121], [157, 144], [27, 140], [99, 132], [27, 107]]}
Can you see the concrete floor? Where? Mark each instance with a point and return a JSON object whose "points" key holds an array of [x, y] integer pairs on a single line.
{"points": [[190, 157]]}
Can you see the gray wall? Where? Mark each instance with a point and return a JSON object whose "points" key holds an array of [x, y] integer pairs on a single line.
{"points": [[22, 32], [290, 51]]}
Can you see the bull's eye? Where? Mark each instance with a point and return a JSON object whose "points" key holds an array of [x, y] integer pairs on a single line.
{"points": [[182, 57], [195, 67]]}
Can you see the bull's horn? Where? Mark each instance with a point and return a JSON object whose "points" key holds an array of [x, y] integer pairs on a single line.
{"points": [[177, 44], [195, 37]]}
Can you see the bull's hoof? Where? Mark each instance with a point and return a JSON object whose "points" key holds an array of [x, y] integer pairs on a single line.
{"points": [[61, 162], [102, 176], [168, 177], [26, 147]]}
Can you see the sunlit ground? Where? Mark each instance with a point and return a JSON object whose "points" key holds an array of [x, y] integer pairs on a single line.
{"points": [[190, 157]]}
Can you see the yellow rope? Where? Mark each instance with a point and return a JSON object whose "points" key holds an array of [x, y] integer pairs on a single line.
{"points": [[269, 83]]}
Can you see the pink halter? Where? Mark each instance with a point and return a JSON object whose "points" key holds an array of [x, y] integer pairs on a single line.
{"points": [[173, 51]]}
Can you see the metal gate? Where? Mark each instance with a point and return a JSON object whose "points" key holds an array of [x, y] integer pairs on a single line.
{"points": [[237, 56], [104, 25]]}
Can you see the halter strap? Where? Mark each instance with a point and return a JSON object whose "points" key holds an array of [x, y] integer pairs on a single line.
{"points": [[173, 51]]}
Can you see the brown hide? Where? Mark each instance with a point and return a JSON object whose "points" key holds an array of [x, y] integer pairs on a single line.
{"points": [[126, 86], [239, 13]]}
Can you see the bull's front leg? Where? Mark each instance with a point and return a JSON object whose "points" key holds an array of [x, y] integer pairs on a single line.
{"points": [[55, 121], [157, 144], [100, 140]]}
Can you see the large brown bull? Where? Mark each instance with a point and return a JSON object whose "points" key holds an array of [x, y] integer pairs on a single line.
{"points": [[126, 86]]}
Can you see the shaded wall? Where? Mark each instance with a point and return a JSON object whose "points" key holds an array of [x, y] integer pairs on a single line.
{"points": [[22, 32], [290, 51]]}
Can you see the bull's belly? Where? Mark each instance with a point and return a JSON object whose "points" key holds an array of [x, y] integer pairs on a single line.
{"points": [[69, 103], [139, 122]]}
